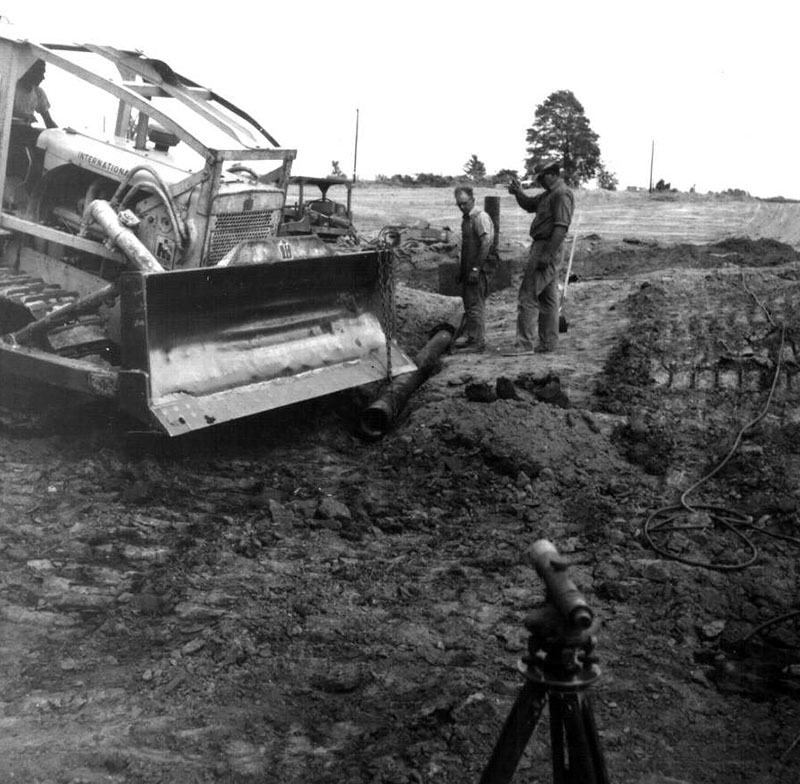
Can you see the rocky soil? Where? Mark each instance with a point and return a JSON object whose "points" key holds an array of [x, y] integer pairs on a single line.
{"points": [[282, 601]]}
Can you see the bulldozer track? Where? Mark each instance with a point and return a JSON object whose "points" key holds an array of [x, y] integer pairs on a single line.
{"points": [[25, 299], [32, 295]]}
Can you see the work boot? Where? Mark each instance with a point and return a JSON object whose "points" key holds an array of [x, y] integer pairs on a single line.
{"points": [[517, 350], [463, 341]]}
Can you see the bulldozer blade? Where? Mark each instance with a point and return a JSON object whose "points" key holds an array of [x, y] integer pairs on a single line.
{"points": [[205, 346]]}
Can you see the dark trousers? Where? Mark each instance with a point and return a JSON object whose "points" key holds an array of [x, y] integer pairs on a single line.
{"points": [[474, 296]]}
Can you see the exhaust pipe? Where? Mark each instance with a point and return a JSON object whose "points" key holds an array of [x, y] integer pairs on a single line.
{"points": [[377, 419], [138, 256]]}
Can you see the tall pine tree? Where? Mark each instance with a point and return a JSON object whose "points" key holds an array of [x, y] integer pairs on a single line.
{"points": [[561, 131], [475, 169]]}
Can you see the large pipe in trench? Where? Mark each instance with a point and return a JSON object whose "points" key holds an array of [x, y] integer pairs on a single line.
{"points": [[377, 418]]}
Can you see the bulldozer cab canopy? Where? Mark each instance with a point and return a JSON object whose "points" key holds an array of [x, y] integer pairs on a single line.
{"points": [[124, 117], [116, 95], [314, 192], [323, 183]]}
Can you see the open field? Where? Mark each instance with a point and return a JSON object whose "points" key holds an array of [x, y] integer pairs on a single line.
{"points": [[613, 215]]}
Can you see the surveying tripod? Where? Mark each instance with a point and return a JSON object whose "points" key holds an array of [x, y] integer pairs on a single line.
{"points": [[559, 669]]}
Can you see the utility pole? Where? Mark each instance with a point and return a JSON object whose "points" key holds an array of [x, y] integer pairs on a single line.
{"points": [[652, 155], [355, 152]]}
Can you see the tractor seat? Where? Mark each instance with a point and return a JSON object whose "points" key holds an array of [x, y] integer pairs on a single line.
{"points": [[322, 206]]}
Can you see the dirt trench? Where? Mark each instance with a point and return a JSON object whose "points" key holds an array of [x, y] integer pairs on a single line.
{"points": [[281, 601]]}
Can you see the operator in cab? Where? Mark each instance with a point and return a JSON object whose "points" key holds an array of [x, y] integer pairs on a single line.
{"points": [[30, 99], [25, 161]]}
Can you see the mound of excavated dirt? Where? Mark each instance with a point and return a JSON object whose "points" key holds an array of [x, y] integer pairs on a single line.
{"points": [[420, 312], [278, 600], [778, 221], [597, 258]]}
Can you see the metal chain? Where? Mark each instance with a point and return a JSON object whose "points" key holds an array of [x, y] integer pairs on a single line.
{"points": [[387, 291]]}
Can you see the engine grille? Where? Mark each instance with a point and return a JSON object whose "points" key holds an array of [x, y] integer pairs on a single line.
{"points": [[231, 228]]}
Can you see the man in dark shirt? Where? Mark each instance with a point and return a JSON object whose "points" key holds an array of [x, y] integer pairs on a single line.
{"points": [[538, 292], [477, 237]]}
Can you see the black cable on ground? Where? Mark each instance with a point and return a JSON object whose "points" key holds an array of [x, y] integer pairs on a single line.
{"points": [[767, 624], [730, 519]]}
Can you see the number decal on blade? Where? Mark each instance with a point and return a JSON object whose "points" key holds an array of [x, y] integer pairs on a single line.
{"points": [[285, 250]]}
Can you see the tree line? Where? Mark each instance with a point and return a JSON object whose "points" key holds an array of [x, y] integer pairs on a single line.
{"points": [[560, 131], [430, 180]]}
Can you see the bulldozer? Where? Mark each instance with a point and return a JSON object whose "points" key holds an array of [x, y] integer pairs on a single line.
{"points": [[142, 257]]}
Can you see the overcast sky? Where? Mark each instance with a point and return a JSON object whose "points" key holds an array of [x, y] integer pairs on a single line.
{"points": [[710, 86]]}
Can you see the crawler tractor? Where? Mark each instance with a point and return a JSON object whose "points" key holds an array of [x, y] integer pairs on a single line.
{"points": [[143, 259], [328, 219]]}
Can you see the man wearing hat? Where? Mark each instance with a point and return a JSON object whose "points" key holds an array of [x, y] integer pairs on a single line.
{"points": [[538, 292]]}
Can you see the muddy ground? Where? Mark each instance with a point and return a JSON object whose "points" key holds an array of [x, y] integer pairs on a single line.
{"points": [[283, 601]]}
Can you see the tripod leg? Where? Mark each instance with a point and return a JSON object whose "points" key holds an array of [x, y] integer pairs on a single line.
{"points": [[557, 730], [516, 733], [594, 740], [572, 725]]}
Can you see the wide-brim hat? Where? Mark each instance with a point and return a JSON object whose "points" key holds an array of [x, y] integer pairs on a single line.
{"points": [[546, 167]]}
